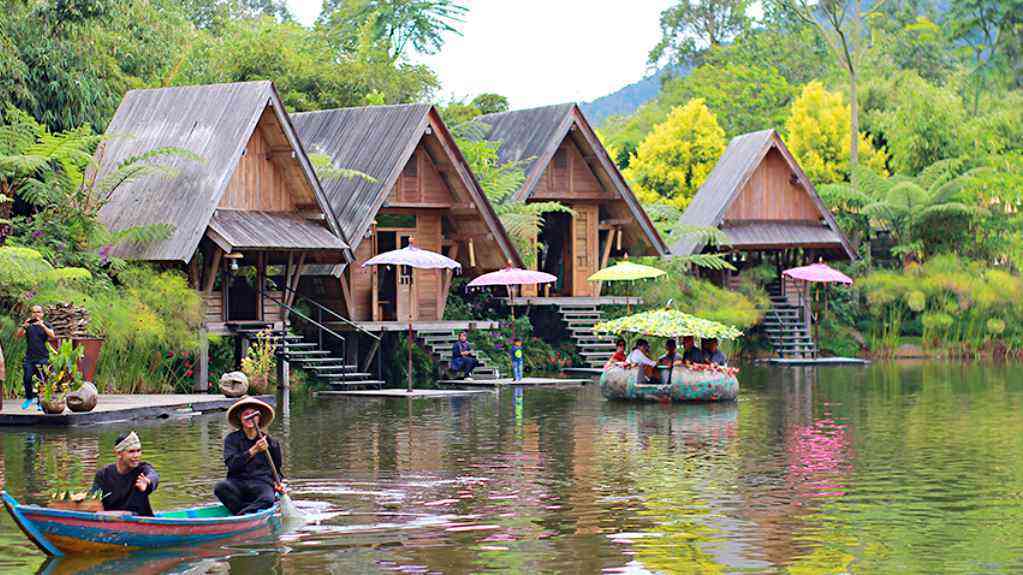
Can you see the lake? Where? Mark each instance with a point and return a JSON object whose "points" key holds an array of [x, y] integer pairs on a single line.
{"points": [[880, 469]]}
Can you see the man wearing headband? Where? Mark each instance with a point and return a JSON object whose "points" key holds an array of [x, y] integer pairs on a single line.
{"points": [[127, 483], [251, 479]]}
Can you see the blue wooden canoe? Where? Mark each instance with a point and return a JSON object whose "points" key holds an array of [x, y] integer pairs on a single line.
{"points": [[59, 532]]}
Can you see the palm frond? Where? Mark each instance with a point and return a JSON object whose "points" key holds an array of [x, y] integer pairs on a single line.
{"points": [[708, 235], [715, 262]]}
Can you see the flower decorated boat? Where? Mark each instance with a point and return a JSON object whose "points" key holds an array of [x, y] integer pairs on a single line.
{"points": [[686, 385], [688, 382], [59, 532]]}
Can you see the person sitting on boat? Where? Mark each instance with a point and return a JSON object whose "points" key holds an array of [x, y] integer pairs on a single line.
{"points": [[462, 358], [691, 353], [670, 359], [127, 483], [253, 459], [617, 358], [640, 356], [711, 353]]}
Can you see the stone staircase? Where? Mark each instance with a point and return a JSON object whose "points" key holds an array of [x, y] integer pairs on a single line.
{"points": [[580, 319], [438, 344], [787, 328], [323, 365]]}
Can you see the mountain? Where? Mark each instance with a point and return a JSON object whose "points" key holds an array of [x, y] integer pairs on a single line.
{"points": [[625, 100]]}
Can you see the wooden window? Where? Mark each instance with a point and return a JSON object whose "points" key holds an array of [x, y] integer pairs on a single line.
{"points": [[561, 159]]}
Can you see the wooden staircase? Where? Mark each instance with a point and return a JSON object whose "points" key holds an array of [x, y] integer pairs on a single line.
{"points": [[324, 365], [593, 347], [788, 328], [438, 344]]}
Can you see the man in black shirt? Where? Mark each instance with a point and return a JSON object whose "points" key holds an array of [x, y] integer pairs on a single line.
{"points": [[37, 334], [127, 483], [251, 478]]}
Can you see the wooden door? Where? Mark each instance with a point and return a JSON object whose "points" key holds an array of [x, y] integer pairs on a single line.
{"points": [[405, 304], [584, 249]]}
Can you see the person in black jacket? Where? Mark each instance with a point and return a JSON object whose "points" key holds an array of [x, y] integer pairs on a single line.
{"points": [[38, 334], [251, 479], [126, 484]]}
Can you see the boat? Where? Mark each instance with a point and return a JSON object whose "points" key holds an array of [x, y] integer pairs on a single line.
{"points": [[686, 385], [60, 532]]}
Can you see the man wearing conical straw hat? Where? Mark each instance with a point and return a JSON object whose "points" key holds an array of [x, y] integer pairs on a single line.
{"points": [[253, 459]]}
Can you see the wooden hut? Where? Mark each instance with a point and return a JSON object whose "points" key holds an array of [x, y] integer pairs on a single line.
{"points": [[252, 202], [769, 211], [565, 162], [421, 189]]}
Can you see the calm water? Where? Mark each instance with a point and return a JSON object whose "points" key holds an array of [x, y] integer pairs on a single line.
{"points": [[886, 469]]}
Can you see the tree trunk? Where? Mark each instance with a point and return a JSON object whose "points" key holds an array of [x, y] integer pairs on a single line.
{"points": [[854, 124]]}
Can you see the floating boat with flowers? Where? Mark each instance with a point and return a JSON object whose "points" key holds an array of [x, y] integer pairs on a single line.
{"points": [[688, 382]]}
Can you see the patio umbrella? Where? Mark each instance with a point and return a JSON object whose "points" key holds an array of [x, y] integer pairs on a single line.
{"points": [[668, 323], [626, 271], [413, 257], [818, 273], [511, 276]]}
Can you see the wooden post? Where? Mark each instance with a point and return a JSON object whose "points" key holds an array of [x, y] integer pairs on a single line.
{"points": [[260, 282], [201, 365], [284, 375]]}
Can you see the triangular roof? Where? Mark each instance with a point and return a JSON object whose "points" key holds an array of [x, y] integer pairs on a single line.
{"points": [[378, 141], [533, 136], [726, 181], [213, 121]]}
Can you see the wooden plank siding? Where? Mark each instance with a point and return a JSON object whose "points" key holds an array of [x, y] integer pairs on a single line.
{"points": [[770, 195], [585, 254], [420, 184], [362, 281], [257, 183], [569, 177], [428, 282]]}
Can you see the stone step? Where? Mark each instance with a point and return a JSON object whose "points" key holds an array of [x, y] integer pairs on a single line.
{"points": [[596, 345], [307, 353], [331, 368], [319, 360], [347, 376], [351, 384]]}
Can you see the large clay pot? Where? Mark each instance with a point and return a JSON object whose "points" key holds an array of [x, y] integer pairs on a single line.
{"points": [[84, 399], [87, 365], [234, 384], [53, 407], [259, 384]]}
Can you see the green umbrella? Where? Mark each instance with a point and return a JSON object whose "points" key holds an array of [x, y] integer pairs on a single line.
{"points": [[668, 323]]}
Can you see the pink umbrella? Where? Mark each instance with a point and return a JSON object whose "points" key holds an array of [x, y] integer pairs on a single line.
{"points": [[510, 276], [819, 273], [417, 258]]}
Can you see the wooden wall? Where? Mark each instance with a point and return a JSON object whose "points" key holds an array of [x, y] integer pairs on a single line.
{"points": [[361, 281], [428, 282], [569, 177], [420, 184], [770, 195]]}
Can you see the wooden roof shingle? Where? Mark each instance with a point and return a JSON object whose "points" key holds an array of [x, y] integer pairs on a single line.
{"points": [[731, 173], [378, 141], [533, 135], [213, 121], [249, 229]]}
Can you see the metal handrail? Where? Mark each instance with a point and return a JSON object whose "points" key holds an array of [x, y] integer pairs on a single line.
{"points": [[315, 323], [333, 313]]}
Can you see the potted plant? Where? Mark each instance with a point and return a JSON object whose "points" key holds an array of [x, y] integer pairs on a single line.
{"points": [[259, 361], [59, 377]]}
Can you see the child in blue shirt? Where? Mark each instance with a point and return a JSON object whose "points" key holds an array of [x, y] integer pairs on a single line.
{"points": [[518, 357]]}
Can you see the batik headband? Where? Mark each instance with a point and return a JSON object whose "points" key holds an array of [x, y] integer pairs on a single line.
{"points": [[130, 442]]}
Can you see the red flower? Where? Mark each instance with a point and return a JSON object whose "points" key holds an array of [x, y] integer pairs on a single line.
{"points": [[170, 354], [188, 373], [188, 365], [185, 354]]}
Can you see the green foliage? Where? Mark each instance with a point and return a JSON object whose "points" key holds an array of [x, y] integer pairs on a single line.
{"points": [[673, 161], [817, 133], [688, 26], [400, 25]]}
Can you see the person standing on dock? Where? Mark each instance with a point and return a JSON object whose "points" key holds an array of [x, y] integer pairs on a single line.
{"points": [[127, 483], [37, 334], [253, 459]]}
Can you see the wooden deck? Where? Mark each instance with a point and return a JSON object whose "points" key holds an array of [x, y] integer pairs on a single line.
{"points": [[392, 393], [113, 408], [575, 301], [524, 382], [818, 361], [434, 326]]}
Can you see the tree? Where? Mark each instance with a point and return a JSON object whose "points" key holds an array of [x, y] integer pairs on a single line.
{"points": [[400, 25], [993, 29], [677, 156], [816, 133], [693, 25], [840, 23], [214, 15], [923, 124], [490, 103]]}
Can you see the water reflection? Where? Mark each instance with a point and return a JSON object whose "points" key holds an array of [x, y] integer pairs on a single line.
{"points": [[910, 469]]}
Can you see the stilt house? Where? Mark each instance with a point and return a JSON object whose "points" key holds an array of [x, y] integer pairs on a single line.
{"points": [[770, 213], [252, 209], [565, 162], [421, 190]]}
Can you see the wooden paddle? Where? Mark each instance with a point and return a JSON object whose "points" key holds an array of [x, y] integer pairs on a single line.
{"points": [[289, 510]]}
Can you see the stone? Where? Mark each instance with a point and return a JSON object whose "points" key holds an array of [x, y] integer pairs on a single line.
{"points": [[234, 384], [84, 399]]}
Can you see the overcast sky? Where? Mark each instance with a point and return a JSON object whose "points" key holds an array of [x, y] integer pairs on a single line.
{"points": [[539, 52]]}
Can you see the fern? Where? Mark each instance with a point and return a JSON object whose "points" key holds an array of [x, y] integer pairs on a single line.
{"points": [[327, 171], [715, 262]]}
